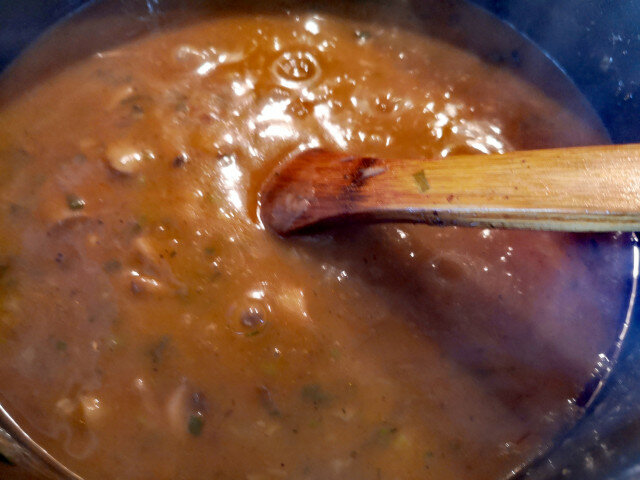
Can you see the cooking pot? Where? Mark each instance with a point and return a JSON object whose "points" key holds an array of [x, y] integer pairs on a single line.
{"points": [[596, 42]]}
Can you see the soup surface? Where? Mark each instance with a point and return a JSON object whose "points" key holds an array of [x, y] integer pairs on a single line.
{"points": [[151, 328]]}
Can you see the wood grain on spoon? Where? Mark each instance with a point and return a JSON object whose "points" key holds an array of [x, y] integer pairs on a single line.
{"points": [[570, 189]]}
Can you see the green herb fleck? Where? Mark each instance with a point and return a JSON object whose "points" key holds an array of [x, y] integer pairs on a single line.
{"points": [[427, 457], [269, 368], [252, 334], [455, 445], [314, 393], [315, 422], [421, 180], [16, 209], [111, 266], [74, 202], [401, 441], [139, 224], [385, 433], [210, 251], [195, 424], [143, 421], [158, 350], [62, 346], [182, 106]]}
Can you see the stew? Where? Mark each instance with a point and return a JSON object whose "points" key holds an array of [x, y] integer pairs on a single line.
{"points": [[151, 328]]}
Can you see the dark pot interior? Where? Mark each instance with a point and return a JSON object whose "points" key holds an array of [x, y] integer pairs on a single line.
{"points": [[597, 43]]}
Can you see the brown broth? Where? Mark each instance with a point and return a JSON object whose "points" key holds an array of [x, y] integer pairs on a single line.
{"points": [[151, 328]]}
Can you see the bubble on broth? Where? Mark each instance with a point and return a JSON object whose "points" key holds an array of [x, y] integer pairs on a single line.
{"points": [[296, 69]]}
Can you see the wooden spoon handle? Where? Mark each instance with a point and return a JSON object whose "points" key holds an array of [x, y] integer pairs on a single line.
{"points": [[569, 189]]}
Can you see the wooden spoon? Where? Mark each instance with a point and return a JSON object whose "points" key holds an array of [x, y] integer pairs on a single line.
{"points": [[570, 189]]}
